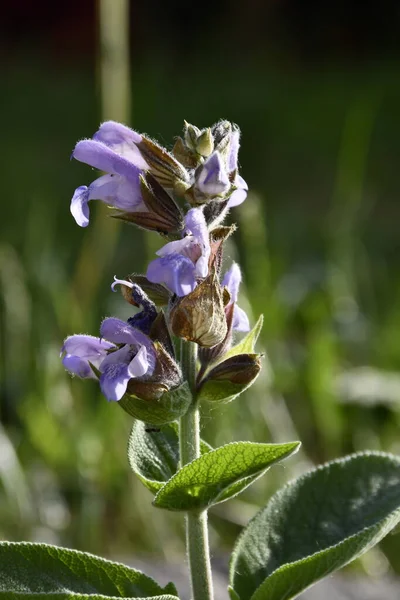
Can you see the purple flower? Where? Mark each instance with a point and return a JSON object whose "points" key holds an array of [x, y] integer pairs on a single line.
{"points": [[231, 280], [118, 365], [212, 178], [113, 150], [183, 261]]}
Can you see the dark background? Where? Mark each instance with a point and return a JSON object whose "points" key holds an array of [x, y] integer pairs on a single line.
{"points": [[315, 88]]}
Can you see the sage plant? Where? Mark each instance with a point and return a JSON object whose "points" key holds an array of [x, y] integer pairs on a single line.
{"points": [[188, 343]]}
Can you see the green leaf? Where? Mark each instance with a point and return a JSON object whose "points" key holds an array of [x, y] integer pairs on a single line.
{"points": [[72, 596], [247, 344], [154, 455], [168, 408], [220, 474], [315, 525], [232, 594], [43, 571]]}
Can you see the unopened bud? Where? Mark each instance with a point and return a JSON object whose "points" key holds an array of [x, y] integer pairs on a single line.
{"points": [[222, 132], [242, 368], [200, 316], [205, 143], [191, 134], [230, 378]]}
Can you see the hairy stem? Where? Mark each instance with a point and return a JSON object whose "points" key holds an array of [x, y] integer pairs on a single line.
{"points": [[196, 523]]}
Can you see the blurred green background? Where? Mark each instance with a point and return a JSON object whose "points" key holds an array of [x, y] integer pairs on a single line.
{"points": [[315, 89]]}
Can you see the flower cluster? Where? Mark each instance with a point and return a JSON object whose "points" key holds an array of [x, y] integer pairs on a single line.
{"points": [[184, 195]]}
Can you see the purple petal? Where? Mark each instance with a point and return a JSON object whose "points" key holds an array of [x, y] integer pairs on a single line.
{"points": [[121, 332], [196, 224], [139, 365], [119, 367], [232, 280], [98, 155], [114, 190], [118, 191], [114, 381], [240, 320], [213, 178], [82, 349], [114, 134], [86, 346], [177, 272], [233, 150], [123, 141], [78, 366], [176, 247], [79, 206], [240, 194]]}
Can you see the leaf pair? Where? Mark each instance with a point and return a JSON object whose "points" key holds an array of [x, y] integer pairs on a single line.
{"points": [[214, 477]]}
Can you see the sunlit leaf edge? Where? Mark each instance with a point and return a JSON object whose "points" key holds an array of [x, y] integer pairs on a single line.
{"points": [[292, 448], [152, 484]]}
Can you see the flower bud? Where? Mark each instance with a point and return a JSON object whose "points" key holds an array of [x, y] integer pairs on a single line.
{"points": [[164, 167], [230, 378], [191, 134], [200, 316], [205, 143], [222, 132]]}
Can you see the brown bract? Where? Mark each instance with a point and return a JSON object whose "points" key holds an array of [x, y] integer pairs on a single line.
{"points": [[164, 167], [200, 316]]}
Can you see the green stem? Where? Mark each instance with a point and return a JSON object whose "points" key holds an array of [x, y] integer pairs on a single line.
{"points": [[196, 523]]}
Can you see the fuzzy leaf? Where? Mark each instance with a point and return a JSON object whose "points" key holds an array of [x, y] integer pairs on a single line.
{"points": [[315, 525], [154, 455], [247, 344], [41, 571], [220, 474]]}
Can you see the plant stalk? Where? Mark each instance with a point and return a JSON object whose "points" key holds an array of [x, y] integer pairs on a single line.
{"points": [[197, 545]]}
